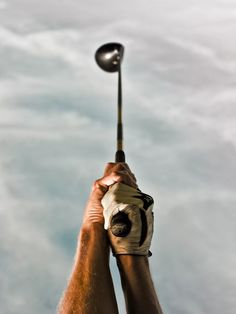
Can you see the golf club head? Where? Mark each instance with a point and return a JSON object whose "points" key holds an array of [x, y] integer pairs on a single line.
{"points": [[109, 57]]}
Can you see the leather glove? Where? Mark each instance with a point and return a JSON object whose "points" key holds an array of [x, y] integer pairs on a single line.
{"points": [[138, 207]]}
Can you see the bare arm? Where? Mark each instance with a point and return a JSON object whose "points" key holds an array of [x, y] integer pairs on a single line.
{"points": [[139, 292], [90, 289], [138, 288]]}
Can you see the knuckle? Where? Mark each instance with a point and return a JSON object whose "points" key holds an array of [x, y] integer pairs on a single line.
{"points": [[96, 184], [116, 174], [111, 164], [119, 166]]}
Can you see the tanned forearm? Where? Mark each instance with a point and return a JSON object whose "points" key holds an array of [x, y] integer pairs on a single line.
{"points": [[139, 292], [90, 288]]}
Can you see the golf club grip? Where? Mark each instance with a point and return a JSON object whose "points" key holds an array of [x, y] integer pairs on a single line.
{"points": [[120, 156], [120, 223]]}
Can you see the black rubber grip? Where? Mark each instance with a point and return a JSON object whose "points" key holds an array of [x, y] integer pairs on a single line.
{"points": [[120, 223], [120, 156]]}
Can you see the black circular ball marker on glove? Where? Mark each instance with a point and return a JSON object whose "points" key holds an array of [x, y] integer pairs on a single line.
{"points": [[120, 225]]}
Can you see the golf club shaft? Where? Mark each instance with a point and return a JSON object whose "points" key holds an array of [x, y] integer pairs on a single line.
{"points": [[120, 224], [120, 155]]}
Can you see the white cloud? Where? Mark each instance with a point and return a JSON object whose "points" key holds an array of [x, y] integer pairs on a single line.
{"points": [[61, 44], [57, 117], [3, 5], [28, 255]]}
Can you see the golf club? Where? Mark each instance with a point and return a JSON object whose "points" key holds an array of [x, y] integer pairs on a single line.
{"points": [[109, 58]]}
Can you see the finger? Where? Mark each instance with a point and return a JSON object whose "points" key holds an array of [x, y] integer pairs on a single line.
{"points": [[110, 179], [112, 166], [127, 172], [119, 176], [108, 168]]}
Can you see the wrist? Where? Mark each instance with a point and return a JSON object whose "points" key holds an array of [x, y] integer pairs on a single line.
{"points": [[93, 214], [93, 239], [93, 233], [93, 227], [131, 261]]}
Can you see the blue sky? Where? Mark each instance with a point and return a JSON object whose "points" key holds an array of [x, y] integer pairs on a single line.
{"points": [[57, 131]]}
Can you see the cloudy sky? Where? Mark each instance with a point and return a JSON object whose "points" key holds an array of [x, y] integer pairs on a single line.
{"points": [[57, 131]]}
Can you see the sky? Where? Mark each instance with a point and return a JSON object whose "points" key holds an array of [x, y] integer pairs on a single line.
{"points": [[57, 131]]}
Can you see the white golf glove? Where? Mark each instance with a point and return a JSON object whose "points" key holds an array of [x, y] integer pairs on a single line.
{"points": [[138, 207]]}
